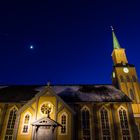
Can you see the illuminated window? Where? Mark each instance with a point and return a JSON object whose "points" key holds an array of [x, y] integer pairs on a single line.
{"points": [[46, 108], [10, 124], [26, 123], [64, 122], [131, 94], [134, 78], [121, 78], [105, 125], [127, 78], [113, 74], [124, 124], [85, 124]]}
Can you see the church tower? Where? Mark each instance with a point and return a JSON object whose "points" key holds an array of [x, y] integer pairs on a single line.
{"points": [[124, 75]]}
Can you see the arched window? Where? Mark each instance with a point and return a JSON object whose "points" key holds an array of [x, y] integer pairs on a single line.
{"points": [[0, 115], [127, 78], [10, 124], [124, 124], [121, 78], [105, 125], [138, 129], [131, 94], [85, 124], [64, 122], [26, 123], [134, 78]]}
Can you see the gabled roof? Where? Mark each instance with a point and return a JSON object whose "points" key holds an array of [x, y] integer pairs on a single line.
{"points": [[69, 93], [45, 91], [45, 121]]}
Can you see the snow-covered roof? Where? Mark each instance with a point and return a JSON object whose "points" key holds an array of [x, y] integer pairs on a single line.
{"points": [[69, 93], [90, 93]]}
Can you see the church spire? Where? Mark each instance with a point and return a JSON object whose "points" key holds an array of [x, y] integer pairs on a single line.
{"points": [[118, 54], [116, 44]]}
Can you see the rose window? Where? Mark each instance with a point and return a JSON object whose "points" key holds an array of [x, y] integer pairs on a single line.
{"points": [[46, 108]]}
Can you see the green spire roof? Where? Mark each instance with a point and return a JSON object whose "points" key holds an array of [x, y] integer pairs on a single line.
{"points": [[116, 44]]}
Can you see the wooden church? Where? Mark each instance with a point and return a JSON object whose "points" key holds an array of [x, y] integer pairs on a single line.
{"points": [[75, 112]]}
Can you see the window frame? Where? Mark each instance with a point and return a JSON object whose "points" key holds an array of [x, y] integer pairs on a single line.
{"points": [[90, 127], [46, 102], [6, 128], [108, 122], [121, 79], [29, 122], [66, 125], [128, 78], [134, 79], [0, 115], [121, 107], [138, 128]]}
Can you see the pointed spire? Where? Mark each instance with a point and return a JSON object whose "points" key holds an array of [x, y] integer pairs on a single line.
{"points": [[116, 44]]}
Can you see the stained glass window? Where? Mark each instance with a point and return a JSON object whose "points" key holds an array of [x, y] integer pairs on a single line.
{"points": [[46, 108], [85, 124], [10, 124], [105, 125], [124, 124]]}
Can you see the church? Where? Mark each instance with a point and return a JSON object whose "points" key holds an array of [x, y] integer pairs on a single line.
{"points": [[75, 112]]}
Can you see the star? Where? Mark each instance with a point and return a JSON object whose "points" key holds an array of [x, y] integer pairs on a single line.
{"points": [[31, 47]]}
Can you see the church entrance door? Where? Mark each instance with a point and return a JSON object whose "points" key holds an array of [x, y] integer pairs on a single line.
{"points": [[44, 133]]}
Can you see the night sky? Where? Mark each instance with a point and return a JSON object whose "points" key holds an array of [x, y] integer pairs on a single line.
{"points": [[72, 40]]}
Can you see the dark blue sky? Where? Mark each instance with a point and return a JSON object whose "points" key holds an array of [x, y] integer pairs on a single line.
{"points": [[72, 40]]}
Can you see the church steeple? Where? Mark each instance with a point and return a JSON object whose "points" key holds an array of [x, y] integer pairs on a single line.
{"points": [[118, 54], [124, 75], [116, 44]]}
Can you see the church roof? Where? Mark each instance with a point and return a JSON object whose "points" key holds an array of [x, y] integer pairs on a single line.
{"points": [[91, 93], [69, 93], [17, 93]]}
